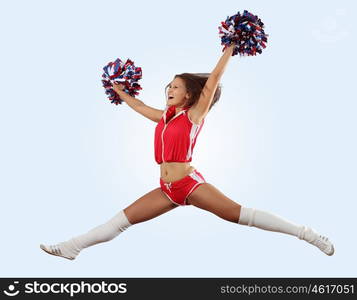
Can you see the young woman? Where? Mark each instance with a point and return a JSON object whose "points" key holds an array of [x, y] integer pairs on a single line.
{"points": [[189, 99]]}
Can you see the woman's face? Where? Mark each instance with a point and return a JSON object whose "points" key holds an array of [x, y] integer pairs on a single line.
{"points": [[177, 94]]}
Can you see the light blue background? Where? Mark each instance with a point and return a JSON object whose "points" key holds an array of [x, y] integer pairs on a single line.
{"points": [[282, 138]]}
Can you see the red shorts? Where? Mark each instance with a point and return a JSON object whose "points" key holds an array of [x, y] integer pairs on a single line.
{"points": [[178, 191]]}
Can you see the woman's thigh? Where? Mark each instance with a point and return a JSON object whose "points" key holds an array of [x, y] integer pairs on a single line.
{"points": [[149, 206], [209, 198]]}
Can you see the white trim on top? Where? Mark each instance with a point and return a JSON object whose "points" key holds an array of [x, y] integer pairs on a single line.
{"points": [[162, 132], [193, 134]]}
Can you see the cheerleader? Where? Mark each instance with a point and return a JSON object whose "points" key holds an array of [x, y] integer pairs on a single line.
{"points": [[190, 97]]}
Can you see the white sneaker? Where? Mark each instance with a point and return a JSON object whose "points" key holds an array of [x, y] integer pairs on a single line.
{"points": [[56, 250], [318, 240]]}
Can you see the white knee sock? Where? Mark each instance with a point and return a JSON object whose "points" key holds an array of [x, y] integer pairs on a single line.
{"points": [[268, 221], [99, 234]]}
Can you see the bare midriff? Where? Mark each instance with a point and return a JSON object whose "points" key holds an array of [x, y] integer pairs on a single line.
{"points": [[173, 171]]}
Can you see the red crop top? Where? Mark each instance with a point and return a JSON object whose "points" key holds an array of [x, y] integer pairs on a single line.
{"points": [[175, 136]]}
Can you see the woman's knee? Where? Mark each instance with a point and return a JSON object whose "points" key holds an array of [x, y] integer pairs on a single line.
{"points": [[231, 214], [209, 198]]}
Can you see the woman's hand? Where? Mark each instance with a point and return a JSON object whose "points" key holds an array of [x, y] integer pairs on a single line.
{"points": [[118, 87], [230, 48]]}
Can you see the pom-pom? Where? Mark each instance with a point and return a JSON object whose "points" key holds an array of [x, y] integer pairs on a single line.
{"points": [[126, 74], [245, 31]]}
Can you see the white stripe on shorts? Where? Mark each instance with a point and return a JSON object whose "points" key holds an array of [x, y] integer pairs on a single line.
{"points": [[195, 176], [198, 179]]}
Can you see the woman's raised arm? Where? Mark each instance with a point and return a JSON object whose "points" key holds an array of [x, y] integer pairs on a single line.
{"points": [[200, 110], [139, 106], [223, 61]]}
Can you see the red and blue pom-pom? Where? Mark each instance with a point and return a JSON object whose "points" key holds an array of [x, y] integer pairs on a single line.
{"points": [[126, 74], [245, 31]]}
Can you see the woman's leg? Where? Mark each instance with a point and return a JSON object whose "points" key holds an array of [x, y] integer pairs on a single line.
{"points": [[145, 208], [209, 198]]}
